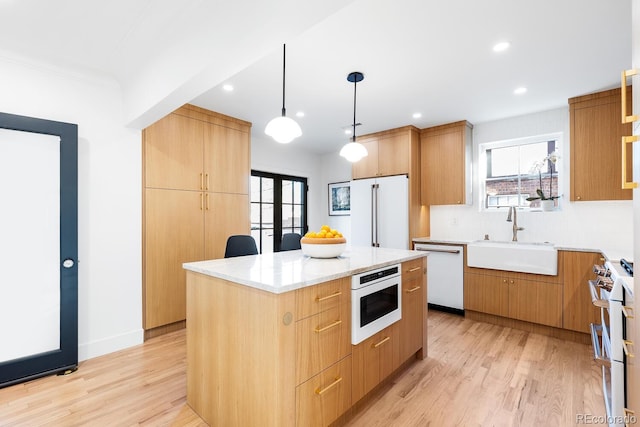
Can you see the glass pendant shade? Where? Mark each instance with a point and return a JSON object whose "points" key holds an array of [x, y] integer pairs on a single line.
{"points": [[354, 152], [283, 129]]}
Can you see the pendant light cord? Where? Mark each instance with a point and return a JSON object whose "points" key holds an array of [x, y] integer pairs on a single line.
{"points": [[355, 82], [284, 64]]}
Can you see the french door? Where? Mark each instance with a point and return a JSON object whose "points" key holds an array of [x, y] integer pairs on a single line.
{"points": [[278, 206], [38, 248]]}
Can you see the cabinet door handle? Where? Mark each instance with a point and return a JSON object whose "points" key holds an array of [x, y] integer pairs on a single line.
{"points": [[335, 382], [381, 342], [414, 269], [625, 347], [409, 291], [627, 140], [336, 323], [337, 294], [623, 96], [625, 311], [201, 181], [511, 281], [201, 201], [206, 181]]}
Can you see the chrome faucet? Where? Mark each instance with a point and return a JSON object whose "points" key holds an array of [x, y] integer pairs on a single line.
{"points": [[513, 211]]}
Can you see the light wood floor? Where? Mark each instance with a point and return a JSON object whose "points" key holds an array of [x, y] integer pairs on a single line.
{"points": [[476, 375]]}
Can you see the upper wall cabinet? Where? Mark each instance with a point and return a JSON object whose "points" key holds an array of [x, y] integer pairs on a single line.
{"points": [[193, 149], [390, 153], [596, 153], [446, 164]]}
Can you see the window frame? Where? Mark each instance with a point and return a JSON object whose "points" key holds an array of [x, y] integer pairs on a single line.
{"points": [[277, 205], [484, 159]]}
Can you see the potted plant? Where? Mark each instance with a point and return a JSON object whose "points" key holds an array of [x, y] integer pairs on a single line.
{"points": [[546, 202]]}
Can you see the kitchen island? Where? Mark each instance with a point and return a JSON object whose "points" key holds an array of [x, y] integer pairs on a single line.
{"points": [[269, 336]]}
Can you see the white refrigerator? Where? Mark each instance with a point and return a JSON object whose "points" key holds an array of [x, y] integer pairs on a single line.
{"points": [[380, 212]]}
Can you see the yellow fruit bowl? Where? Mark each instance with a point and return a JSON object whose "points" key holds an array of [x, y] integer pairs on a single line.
{"points": [[316, 247]]}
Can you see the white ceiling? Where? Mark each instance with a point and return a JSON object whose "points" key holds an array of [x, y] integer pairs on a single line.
{"points": [[429, 56]]}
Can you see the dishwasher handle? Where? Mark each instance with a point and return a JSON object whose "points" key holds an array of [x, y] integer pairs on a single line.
{"points": [[446, 251]]}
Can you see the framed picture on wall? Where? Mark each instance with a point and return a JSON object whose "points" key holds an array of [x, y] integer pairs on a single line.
{"points": [[339, 198]]}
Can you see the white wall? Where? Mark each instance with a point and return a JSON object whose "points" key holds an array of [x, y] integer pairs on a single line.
{"points": [[109, 195], [591, 225], [291, 159], [334, 169]]}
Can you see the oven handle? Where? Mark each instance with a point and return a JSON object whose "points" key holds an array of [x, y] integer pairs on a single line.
{"points": [[597, 353], [598, 302], [445, 251]]}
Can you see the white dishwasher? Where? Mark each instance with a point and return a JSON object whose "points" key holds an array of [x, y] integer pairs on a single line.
{"points": [[444, 276]]}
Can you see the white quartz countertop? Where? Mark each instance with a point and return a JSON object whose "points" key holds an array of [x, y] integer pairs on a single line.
{"points": [[286, 271]]}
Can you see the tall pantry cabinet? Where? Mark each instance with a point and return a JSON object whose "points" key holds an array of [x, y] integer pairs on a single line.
{"points": [[196, 172]]}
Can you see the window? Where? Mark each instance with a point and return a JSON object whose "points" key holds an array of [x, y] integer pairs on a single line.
{"points": [[278, 206], [515, 170]]}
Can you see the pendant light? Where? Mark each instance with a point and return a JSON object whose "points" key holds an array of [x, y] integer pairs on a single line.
{"points": [[282, 128], [354, 151]]}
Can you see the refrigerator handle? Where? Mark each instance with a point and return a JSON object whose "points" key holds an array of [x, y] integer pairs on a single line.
{"points": [[373, 187], [377, 212]]}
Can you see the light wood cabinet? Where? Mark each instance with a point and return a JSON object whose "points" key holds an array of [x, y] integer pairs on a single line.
{"points": [[578, 310], [596, 153], [446, 157], [412, 326], [373, 360], [486, 294], [326, 396], [396, 152], [389, 153], [512, 296], [535, 302], [196, 172]]}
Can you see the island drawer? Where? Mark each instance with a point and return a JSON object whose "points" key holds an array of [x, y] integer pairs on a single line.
{"points": [[322, 340], [315, 299], [326, 396], [412, 269]]}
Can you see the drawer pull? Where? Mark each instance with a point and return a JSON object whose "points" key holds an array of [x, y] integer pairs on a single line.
{"points": [[415, 288], [336, 323], [625, 311], [381, 342], [627, 140], [319, 391], [625, 347], [337, 294], [623, 96], [411, 270]]}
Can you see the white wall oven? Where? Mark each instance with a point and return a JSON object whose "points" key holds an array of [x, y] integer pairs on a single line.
{"points": [[612, 291], [376, 300]]}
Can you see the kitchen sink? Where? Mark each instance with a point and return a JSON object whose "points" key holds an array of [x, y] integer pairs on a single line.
{"points": [[538, 258]]}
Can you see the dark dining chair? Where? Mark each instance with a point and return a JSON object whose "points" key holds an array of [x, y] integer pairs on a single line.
{"points": [[240, 245], [290, 242]]}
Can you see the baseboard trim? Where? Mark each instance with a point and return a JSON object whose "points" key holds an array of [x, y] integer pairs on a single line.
{"points": [[110, 344], [550, 331], [164, 329]]}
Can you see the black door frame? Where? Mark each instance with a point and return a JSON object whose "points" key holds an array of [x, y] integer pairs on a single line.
{"points": [[66, 357], [277, 201]]}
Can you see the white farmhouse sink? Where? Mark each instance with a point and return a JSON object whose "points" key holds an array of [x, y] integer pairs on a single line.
{"points": [[538, 258]]}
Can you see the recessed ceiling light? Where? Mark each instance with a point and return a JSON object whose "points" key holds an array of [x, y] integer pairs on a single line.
{"points": [[228, 88], [300, 114], [417, 115], [501, 47], [520, 91]]}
